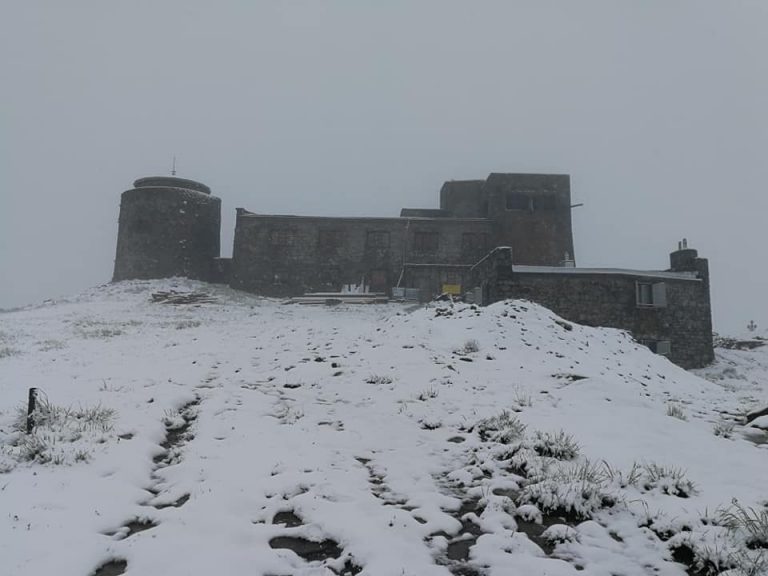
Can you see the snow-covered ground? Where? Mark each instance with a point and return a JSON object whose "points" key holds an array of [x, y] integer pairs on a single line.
{"points": [[218, 438]]}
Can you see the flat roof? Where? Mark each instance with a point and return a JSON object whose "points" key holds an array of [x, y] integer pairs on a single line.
{"points": [[402, 219], [522, 269]]}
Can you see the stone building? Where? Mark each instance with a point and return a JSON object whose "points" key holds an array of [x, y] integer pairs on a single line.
{"points": [[168, 227], [425, 249], [508, 236], [667, 310]]}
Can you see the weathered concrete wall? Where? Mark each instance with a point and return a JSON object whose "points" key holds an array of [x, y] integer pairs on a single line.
{"points": [[425, 213], [291, 255], [425, 248], [464, 198], [430, 279], [167, 231], [611, 300], [532, 215]]}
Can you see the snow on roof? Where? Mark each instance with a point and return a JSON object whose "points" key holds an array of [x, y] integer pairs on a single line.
{"points": [[521, 269], [401, 219]]}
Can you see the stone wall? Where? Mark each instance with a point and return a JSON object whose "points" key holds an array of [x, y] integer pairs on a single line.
{"points": [[464, 198], [532, 215], [291, 255], [165, 231], [610, 299]]}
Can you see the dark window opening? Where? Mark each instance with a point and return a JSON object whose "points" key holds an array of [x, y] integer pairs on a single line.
{"points": [[544, 202], [644, 294], [426, 242], [329, 240], [518, 201], [469, 242], [377, 239], [651, 294], [377, 281], [661, 347]]}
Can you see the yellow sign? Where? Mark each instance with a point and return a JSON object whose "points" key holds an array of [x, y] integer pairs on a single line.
{"points": [[453, 289]]}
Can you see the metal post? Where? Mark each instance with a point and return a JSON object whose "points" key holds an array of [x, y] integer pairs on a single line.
{"points": [[31, 410]]}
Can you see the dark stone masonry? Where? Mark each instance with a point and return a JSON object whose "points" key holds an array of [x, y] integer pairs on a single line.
{"points": [[508, 236], [667, 310], [167, 227]]}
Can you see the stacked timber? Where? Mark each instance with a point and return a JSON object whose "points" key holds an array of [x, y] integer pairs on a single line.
{"points": [[334, 298]]}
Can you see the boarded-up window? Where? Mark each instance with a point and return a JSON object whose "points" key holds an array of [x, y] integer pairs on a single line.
{"points": [[281, 237], [377, 240], [426, 242]]}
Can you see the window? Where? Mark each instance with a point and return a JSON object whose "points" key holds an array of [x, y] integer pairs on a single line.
{"points": [[651, 294], [661, 347], [329, 240], [281, 237], [544, 202], [469, 242], [425, 242], [377, 240], [518, 201], [377, 281]]}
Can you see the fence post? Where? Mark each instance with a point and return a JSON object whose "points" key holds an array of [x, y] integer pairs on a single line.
{"points": [[31, 410]]}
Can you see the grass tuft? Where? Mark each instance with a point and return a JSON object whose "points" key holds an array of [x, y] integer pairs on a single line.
{"points": [[378, 379], [61, 435], [504, 428], [557, 445], [674, 410], [669, 479], [724, 429]]}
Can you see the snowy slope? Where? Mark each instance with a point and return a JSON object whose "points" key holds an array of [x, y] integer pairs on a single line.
{"points": [[187, 434]]}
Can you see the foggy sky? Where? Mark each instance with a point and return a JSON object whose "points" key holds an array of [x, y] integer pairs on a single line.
{"points": [[656, 108]]}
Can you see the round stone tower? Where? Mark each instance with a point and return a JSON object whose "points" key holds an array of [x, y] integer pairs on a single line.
{"points": [[168, 227]]}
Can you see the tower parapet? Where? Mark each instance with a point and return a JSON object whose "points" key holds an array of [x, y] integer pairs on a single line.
{"points": [[171, 182]]}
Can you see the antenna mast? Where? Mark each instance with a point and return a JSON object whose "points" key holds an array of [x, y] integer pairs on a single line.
{"points": [[173, 168]]}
